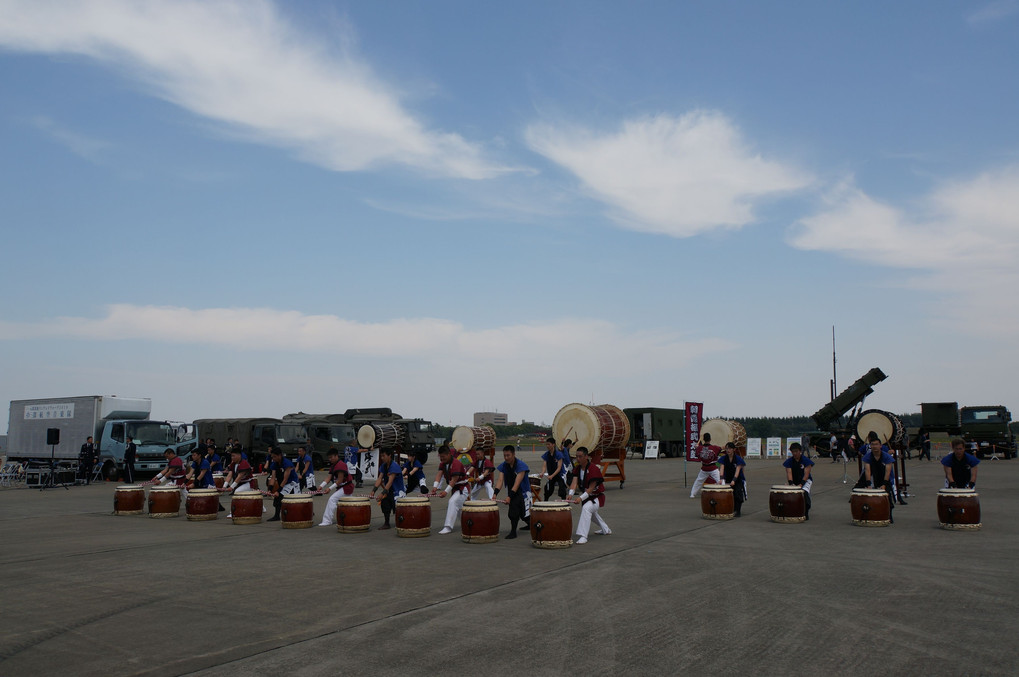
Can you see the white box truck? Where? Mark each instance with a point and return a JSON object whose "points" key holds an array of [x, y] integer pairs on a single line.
{"points": [[108, 419]]}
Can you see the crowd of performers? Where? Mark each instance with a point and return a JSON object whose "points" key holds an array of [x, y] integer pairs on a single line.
{"points": [[878, 470], [462, 475]]}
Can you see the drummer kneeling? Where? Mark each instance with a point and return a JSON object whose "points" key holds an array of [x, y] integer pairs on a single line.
{"points": [[341, 481], [588, 477]]}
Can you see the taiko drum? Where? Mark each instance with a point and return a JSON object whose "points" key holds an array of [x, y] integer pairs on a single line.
{"points": [[959, 509], [218, 479], [717, 502], [479, 522], [202, 505], [129, 499], [297, 512], [551, 524], [246, 507], [413, 517], [164, 502], [871, 508], [353, 514], [787, 504]]}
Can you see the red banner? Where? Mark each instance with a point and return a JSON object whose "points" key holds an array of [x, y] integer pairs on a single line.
{"points": [[694, 418]]}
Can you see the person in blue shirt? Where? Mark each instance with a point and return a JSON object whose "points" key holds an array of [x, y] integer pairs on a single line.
{"points": [[734, 474], [414, 474], [282, 479], [960, 467], [513, 473], [390, 481], [879, 470], [215, 462], [305, 470], [797, 472], [352, 456], [555, 470], [200, 473]]}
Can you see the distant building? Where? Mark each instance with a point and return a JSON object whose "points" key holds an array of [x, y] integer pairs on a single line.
{"points": [[490, 418]]}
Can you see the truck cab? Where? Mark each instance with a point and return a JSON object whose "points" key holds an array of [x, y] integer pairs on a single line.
{"points": [[988, 426], [151, 438]]}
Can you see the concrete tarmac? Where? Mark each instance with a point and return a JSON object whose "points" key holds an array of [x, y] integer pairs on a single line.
{"points": [[668, 592]]}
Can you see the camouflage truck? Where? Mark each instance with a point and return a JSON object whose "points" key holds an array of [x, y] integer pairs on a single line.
{"points": [[987, 425], [255, 435]]}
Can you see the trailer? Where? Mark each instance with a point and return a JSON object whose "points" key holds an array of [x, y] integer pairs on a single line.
{"points": [[657, 424]]}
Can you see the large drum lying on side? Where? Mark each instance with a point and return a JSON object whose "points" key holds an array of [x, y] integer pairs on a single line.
{"points": [[787, 504], [723, 431], [599, 427], [129, 499], [202, 505], [353, 514], [551, 524], [164, 501], [468, 437], [959, 509], [413, 517], [887, 426], [479, 522], [717, 502], [246, 507], [381, 435], [871, 508], [297, 511]]}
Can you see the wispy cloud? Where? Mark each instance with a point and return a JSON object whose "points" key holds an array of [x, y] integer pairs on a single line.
{"points": [[82, 145], [675, 176], [961, 240], [993, 12], [242, 64], [555, 346]]}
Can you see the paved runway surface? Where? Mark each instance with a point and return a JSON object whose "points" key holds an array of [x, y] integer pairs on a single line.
{"points": [[89, 593]]}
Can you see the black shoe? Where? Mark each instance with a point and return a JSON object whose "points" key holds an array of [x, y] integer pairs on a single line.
{"points": [[511, 534], [901, 502], [274, 519], [222, 509]]}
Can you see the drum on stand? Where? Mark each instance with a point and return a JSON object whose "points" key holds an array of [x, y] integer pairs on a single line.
{"points": [[246, 507], [164, 502], [202, 505], [413, 517], [467, 437], [218, 479], [551, 524], [599, 427], [479, 522], [129, 499], [535, 481], [739, 437], [380, 436], [787, 504], [722, 431], [717, 502], [353, 514], [871, 508], [297, 511], [888, 427], [959, 509]]}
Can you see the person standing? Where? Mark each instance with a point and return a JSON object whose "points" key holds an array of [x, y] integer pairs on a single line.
{"points": [[879, 469], [708, 455], [555, 470], [282, 479], [130, 455], [734, 474], [454, 474], [352, 456], [797, 473], [960, 467], [588, 478], [390, 481], [87, 459], [925, 446], [513, 473], [340, 480], [833, 448]]}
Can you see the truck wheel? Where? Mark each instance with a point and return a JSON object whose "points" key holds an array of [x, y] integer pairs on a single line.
{"points": [[110, 471]]}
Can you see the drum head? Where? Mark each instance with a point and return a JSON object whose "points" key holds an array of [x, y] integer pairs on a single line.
{"points": [[366, 436], [870, 492], [549, 505], [877, 421], [356, 500], [739, 434], [463, 438], [479, 504], [409, 500], [579, 423], [720, 431]]}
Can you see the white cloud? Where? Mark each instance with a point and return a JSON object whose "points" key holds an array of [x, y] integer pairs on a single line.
{"points": [[243, 65], [961, 240], [993, 12], [674, 176], [81, 145]]}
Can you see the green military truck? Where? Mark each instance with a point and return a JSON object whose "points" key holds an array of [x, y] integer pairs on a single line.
{"points": [[987, 425], [656, 423]]}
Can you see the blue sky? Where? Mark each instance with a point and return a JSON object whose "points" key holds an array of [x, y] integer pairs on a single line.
{"points": [[252, 208]]}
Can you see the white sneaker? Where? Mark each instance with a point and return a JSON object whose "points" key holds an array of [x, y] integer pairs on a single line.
{"points": [[323, 524], [581, 541], [446, 530], [229, 516], [603, 533]]}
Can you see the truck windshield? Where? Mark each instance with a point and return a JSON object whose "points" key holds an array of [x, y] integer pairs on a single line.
{"points": [[290, 434], [152, 432], [983, 416], [341, 433]]}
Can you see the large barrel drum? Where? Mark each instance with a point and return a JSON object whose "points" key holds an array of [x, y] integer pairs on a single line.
{"points": [[717, 502], [887, 426], [959, 509], [723, 431], [129, 499], [787, 504], [246, 507], [381, 435], [202, 505], [469, 437], [551, 524], [353, 514], [871, 508], [413, 517], [599, 427], [297, 511], [164, 501], [479, 522]]}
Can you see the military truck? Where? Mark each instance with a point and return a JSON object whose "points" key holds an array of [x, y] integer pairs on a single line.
{"points": [[657, 424], [108, 419], [255, 435], [987, 425], [324, 431], [420, 437]]}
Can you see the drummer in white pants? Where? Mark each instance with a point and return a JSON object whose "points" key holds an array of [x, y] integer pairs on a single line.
{"points": [[238, 475], [340, 480], [588, 478], [708, 454], [454, 474]]}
